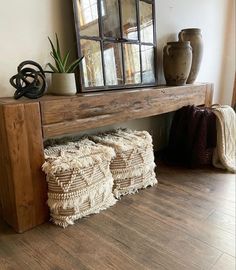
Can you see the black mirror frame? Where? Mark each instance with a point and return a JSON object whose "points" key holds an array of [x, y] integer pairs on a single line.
{"points": [[79, 74]]}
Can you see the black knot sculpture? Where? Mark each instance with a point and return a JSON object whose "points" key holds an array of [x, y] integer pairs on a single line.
{"points": [[29, 82]]}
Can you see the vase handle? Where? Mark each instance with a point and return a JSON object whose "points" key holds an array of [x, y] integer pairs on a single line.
{"points": [[180, 35], [166, 49]]}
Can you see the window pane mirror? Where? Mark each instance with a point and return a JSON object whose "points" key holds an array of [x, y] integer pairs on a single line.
{"points": [[92, 63], [148, 69], [129, 19], [146, 21], [132, 64], [117, 40], [88, 17], [110, 20], [113, 63]]}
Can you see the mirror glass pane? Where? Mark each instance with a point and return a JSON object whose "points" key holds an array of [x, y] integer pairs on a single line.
{"points": [[92, 63], [132, 63], [110, 18], [146, 21], [129, 19], [88, 17], [113, 63], [148, 71]]}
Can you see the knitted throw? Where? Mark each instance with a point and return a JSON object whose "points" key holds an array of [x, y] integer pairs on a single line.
{"points": [[225, 151]]}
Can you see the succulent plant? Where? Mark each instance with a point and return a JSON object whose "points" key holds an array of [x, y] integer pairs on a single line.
{"points": [[61, 63]]}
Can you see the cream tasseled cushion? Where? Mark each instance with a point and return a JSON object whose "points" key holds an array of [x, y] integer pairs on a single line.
{"points": [[79, 180], [133, 167]]}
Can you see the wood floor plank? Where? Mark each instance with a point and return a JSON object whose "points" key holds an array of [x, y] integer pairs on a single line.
{"points": [[200, 229], [139, 247], [178, 191], [185, 223], [225, 262], [206, 183], [224, 221], [101, 256], [94, 250], [34, 250], [185, 206], [163, 235], [7, 262], [185, 200]]}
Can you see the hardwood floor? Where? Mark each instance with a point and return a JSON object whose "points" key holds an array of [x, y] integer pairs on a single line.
{"points": [[186, 222]]}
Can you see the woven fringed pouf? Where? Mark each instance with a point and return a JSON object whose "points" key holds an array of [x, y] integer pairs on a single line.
{"points": [[133, 167], [79, 180]]}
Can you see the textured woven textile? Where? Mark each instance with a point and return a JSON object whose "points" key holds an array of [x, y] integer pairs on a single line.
{"points": [[133, 166], [192, 137], [225, 151], [79, 180]]}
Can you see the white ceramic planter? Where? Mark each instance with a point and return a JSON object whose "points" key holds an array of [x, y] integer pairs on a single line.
{"points": [[63, 84]]}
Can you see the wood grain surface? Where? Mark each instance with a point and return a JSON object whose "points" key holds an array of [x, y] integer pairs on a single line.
{"points": [[83, 112], [22, 183], [186, 222], [25, 123]]}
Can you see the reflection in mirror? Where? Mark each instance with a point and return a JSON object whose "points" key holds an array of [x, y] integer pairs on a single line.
{"points": [[146, 21], [113, 63], [88, 17], [148, 70], [129, 19], [132, 63], [110, 20], [92, 63]]}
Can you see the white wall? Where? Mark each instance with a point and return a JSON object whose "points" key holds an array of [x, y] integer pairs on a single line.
{"points": [[216, 18], [25, 25], [24, 28], [229, 59]]}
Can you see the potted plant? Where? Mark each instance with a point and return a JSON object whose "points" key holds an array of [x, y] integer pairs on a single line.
{"points": [[63, 77]]}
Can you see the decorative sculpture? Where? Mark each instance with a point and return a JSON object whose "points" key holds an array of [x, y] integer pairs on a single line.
{"points": [[29, 82]]}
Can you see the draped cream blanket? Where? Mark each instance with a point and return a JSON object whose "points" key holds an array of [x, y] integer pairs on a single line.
{"points": [[224, 155]]}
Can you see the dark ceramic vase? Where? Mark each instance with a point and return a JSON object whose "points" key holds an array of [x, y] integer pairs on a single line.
{"points": [[195, 37], [177, 60]]}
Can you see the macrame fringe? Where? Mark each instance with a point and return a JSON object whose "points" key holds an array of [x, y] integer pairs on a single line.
{"points": [[124, 140], [132, 172], [118, 192], [64, 221], [75, 199], [75, 155]]}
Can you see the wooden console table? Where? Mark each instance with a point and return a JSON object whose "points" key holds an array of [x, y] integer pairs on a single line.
{"points": [[25, 124]]}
